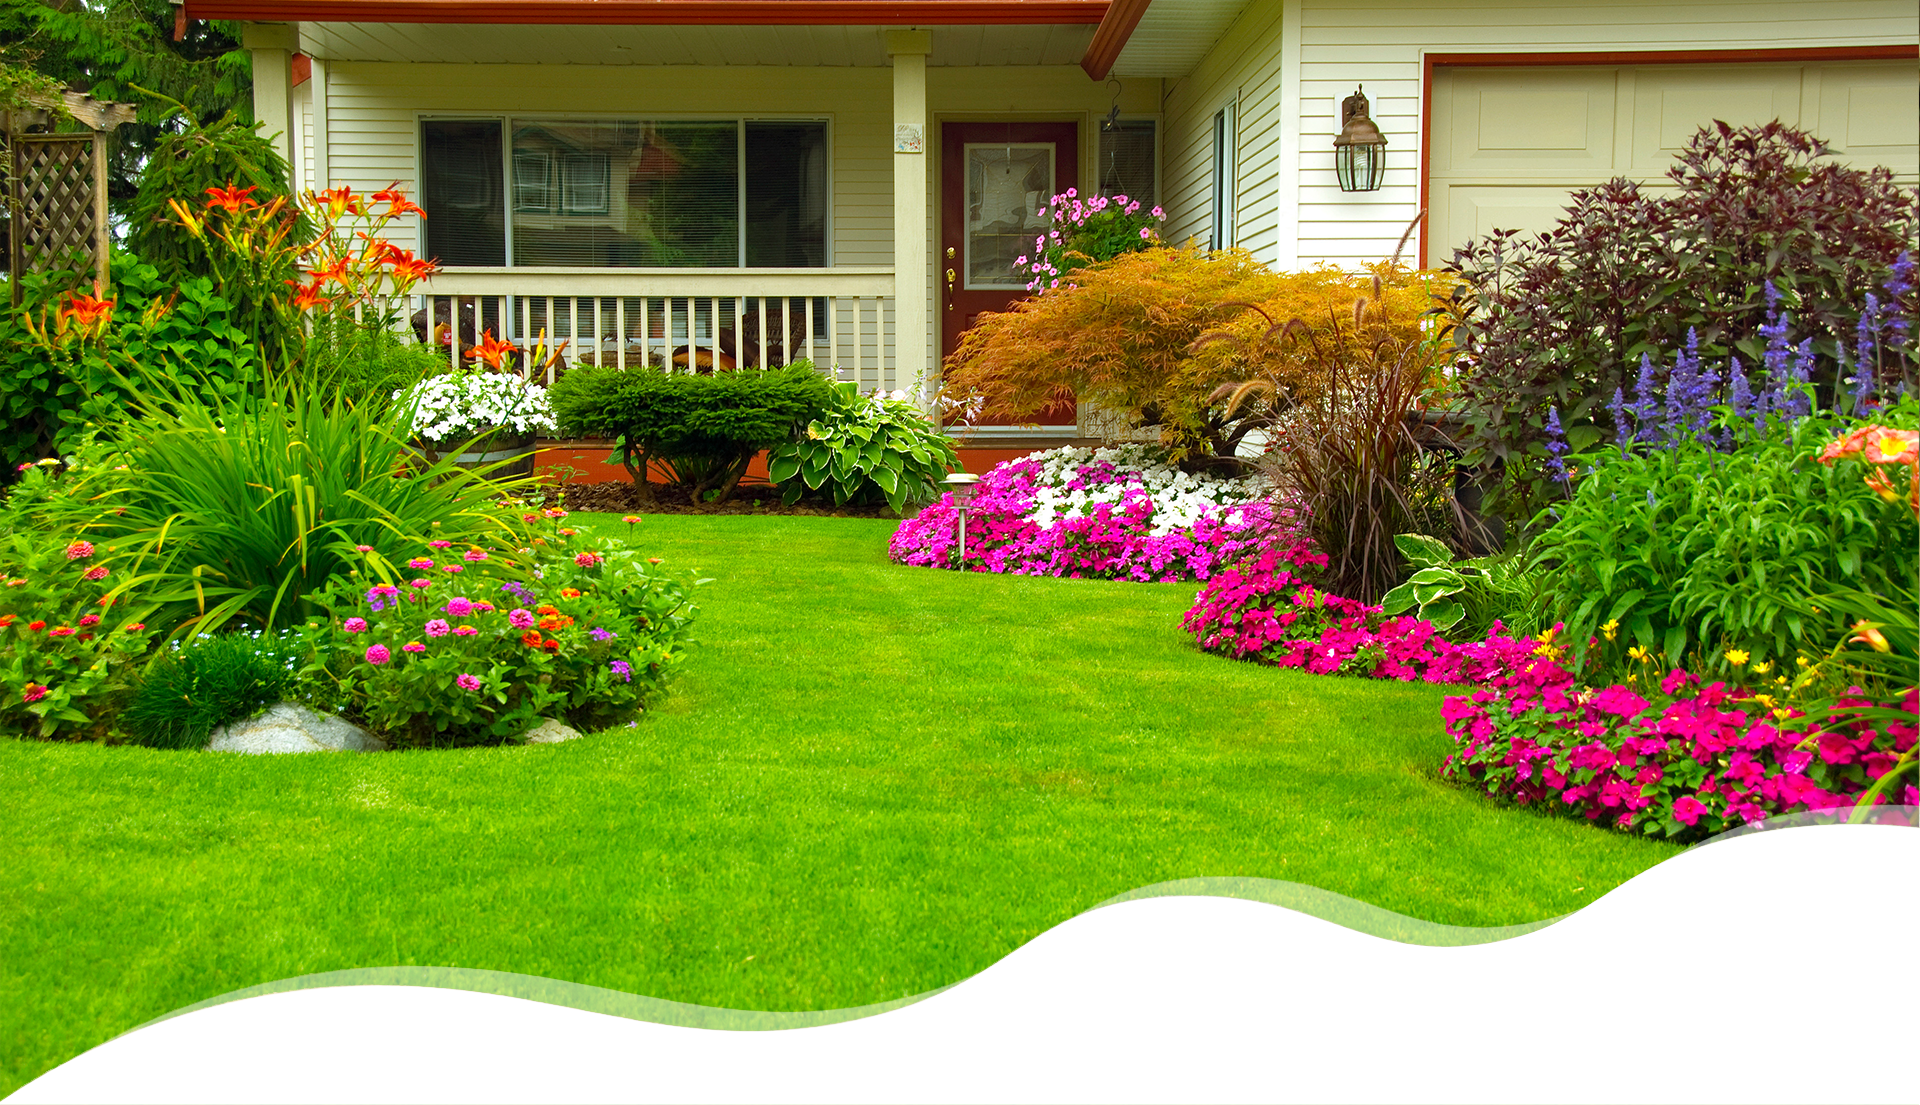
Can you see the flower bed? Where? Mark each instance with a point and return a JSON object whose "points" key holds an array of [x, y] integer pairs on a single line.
{"points": [[1685, 762], [1115, 513]]}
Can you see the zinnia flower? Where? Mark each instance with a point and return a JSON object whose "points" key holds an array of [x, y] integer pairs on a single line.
{"points": [[438, 627], [89, 620], [475, 555], [79, 550], [467, 682], [439, 544], [531, 638], [94, 574], [354, 625], [420, 563], [569, 593], [521, 619], [363, 548], [34, 692], [413, 646], [378, 654], [62, 631], [420, 583], [459, 606], [587, 559], [464, 631], [36, 625]]}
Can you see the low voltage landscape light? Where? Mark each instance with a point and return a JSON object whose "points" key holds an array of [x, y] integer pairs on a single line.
{"points": [[1360, 153], [961, 485]]}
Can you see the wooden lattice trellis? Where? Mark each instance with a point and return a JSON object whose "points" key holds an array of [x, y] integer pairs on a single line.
{"points": [[57, 189]]}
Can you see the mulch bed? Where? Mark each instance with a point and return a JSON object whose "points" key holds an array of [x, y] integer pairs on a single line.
{"points": [[619, 498]]}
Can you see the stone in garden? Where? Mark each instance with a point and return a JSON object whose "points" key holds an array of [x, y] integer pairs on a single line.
{"points": [[550, 731], [291, 728]]}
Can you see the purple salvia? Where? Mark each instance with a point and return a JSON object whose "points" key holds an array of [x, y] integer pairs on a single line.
{"points": [[1645, 403], [1556, 444], [1741, 392], [1622, 432], [1799, 398]]}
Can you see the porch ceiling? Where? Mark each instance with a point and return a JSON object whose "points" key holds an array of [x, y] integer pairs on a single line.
{"points": [[714, 45], [1174, 35]]}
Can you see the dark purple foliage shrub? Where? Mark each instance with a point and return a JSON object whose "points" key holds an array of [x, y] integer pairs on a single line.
{"points": [[1570, 318]]}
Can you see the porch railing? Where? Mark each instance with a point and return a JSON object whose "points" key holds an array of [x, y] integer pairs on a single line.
{"points": [[691, 319]]}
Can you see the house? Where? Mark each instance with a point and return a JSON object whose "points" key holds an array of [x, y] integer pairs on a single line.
{"points": [[851, 179]]}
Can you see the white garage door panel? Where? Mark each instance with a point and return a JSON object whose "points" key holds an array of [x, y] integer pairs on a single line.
{"points": [[1509, 144], [1510, 121], [1671, 105]]}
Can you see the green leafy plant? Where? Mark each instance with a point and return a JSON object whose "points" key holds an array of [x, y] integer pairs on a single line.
{"points": [[704, 430], [70, 637], [1712, 558], [1460, 597], [240, 507], [192, 689], [863, 448]]}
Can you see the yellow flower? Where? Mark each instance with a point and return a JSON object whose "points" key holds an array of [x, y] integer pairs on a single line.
{"points": [[1638, 653], [1802, 661], [1737, 655], [1868, 633], [1763, 668], [1613, 625]]}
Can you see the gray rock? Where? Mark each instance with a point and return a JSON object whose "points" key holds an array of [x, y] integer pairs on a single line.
{"points": [[550, 731], [292, 728]]}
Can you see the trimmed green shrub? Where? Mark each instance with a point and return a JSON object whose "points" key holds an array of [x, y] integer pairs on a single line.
{"points": [[865, 448], [704, 430], [191, 690]]}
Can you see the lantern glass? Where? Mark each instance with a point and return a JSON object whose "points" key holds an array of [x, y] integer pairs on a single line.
{"points": [[1360, 166]]}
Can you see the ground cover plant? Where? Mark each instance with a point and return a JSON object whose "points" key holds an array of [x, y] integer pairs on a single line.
{"points": [[872, 781], [1115, 513]]}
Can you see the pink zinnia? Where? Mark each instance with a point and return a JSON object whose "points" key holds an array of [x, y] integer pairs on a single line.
{"points": [[464, 631], [378, 654], [413, 646], [363, 548], [89, 620], [467, 682], [459, 607], [33, 693], [437, 627], [355, 625], [476, 555], [521, 619], [421, 583], [79, 550], [587, 559], [420, 562], [95, 574], [439, 544]]}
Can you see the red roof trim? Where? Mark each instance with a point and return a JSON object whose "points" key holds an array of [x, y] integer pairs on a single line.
{"points": [[785, 13], [1111, 36]]}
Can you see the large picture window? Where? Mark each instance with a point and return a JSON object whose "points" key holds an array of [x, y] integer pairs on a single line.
{"points": [[628, 192]]}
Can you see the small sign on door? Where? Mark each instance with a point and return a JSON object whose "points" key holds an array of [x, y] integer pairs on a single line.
{"points": [[909, 138]]}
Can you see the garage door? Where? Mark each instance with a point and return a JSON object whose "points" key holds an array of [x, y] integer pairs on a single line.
{"points": [[1510, 143]]}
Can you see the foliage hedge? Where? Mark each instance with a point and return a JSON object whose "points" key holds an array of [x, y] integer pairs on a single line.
{"points": [[704, 430]]}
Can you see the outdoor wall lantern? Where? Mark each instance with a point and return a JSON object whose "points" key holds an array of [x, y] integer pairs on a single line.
{"points": [[1360, 153], [961, 484]]}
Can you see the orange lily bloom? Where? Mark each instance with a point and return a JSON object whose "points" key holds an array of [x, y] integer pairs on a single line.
{"points": [[234, 200], [492, 351], [87, 309], [308, 296], [397, 202], [1867, 633], [1893, 447], [340, 201]]}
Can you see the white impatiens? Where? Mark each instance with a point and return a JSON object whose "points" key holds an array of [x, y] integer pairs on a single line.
{"points": [[460, 406], [1073, 482]]}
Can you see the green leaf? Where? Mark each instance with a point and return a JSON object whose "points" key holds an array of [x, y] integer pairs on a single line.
{"points": [[1423, 550], [1443, 615], [783, 466]]}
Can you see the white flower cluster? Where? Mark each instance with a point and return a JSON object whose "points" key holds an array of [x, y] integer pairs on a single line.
{"points": [[1178, 497], [456, 407]]}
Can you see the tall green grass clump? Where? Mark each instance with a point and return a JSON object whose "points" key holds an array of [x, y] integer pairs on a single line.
{"points": [[208, 682]]}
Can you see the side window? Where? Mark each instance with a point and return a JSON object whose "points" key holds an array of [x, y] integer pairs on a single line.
{"points": [[1128, 164], [1221, 236]]}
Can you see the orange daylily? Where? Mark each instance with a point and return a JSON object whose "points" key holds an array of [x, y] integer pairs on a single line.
{"points": [[397, 202], [491, 350], [340, 201], [308, 296], [1868, 633], [1894, 447], [86, 309], [406, 265], [234, 200]]}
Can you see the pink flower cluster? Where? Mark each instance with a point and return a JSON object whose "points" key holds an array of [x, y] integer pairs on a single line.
{"points": [[1690, 762], [1114, 541], [1068, 216]]}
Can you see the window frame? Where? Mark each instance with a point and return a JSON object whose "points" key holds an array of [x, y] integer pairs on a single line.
{"points": [[1159, 136], [508, 120]]}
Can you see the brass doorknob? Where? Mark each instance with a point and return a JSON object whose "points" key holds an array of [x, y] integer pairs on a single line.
{"points": [[949, 253]]}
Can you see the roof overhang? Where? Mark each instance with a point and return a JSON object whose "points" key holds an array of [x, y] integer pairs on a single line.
{"points": [[787, 13]]}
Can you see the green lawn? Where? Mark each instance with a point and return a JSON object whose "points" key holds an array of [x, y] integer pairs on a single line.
{"points": [[871, 781]]}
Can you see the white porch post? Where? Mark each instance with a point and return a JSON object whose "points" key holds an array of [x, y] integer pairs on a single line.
{"points": [[272, 46], [912, 344]]}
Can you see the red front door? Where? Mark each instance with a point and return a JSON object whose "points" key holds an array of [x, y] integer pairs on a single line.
{"points": [[994, 177]]}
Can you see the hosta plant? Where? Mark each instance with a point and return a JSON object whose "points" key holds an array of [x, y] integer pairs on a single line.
{"points": [[1461, 597], [865, 447]]}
